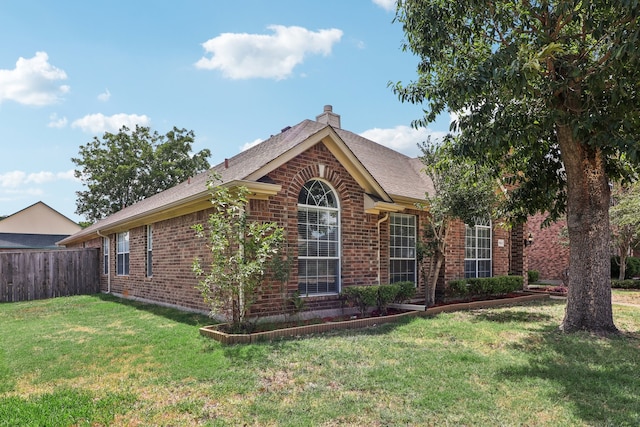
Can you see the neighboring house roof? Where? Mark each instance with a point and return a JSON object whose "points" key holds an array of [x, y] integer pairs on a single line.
{"points": [[30, 241], [387, 176], [39, 218]]}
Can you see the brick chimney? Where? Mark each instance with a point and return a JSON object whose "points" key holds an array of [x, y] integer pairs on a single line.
{"points": [[329, 117]]}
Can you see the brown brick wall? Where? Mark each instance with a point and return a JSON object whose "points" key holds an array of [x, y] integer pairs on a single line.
{"points": [[175, 245], [454, 262], [547, 254]]}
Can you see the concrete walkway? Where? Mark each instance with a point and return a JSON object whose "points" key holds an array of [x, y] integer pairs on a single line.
{"points": [[626, 304]]}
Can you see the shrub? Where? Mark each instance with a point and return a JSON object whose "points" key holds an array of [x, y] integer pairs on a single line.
{"points": [[625, 284], [362, 297], [466, 288], [379, 296], [633, 267], [533, 275], [406, 291], [386, 295]]}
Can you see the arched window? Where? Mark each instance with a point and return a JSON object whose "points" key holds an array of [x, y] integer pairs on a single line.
{"points": [[318, 239]]}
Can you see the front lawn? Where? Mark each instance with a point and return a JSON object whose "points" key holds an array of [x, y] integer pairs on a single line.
{"points": [[95, 360]]}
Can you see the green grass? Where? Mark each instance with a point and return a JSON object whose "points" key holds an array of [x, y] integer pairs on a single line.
{"points": [[96, 360]]}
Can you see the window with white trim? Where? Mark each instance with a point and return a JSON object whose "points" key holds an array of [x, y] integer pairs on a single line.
{"points": [[122, 254], [105, 255], [477, 250], [402, 248], [318, 239], [149, 256]]}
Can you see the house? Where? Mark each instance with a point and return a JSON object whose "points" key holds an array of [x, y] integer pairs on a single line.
{"points": [[35, 227], [348, 206]]}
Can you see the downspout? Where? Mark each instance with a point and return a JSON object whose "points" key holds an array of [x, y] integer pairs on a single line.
{"points": [[108, 275], [380, 221]]}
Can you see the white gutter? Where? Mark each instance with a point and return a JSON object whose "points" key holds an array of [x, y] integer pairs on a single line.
{"points": [[109, 270], [380, 221]]}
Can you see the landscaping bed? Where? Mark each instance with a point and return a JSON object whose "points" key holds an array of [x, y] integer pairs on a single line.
{"points": [[396, 312]]}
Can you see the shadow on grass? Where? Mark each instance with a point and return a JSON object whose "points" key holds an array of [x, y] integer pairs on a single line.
{"points": [[515, 313], [599, 377], [512, 315], [171, 313]]}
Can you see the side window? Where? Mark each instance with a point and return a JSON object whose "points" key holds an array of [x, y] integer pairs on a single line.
{"points": [[149, 250], [402, 248], [477, 250], [105, 255], [122, 255]]}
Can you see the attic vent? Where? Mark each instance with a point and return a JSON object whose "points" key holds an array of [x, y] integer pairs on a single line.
{"points": [[284, 129]]}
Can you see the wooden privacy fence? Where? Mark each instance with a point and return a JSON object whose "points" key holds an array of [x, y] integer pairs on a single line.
{"points": [[30, 275]]}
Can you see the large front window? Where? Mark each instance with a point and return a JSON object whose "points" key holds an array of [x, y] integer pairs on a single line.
{"points": [[122, 260], [318, 240], [402, 248], [477, 250]]}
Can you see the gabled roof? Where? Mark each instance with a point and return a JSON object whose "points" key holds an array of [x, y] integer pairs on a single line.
{"points": [[38, 218], [387, 175]]}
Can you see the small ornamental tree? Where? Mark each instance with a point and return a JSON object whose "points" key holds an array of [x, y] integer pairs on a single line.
{"points": [[241, 251], [463, 190]]}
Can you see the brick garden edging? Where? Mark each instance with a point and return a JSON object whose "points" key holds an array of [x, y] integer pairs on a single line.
{"points": [[212, 331]]}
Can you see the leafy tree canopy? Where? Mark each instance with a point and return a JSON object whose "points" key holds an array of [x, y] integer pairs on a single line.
{"points": [[547, 95], [123, 168], [513, 71]]}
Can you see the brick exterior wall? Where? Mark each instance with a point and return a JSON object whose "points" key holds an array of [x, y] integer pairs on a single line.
{"points": [[364, 244], [501, 243], [547, 254]]}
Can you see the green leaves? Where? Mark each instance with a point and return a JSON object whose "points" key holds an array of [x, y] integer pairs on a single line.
{"points": [[240, 251], [519, 69], [463, 189], [124, 168]]}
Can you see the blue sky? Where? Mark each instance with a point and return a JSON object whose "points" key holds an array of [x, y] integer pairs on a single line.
{"points": [[234, 72]]}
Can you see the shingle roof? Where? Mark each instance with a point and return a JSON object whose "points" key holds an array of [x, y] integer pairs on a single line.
{"points": [[397, 174]]}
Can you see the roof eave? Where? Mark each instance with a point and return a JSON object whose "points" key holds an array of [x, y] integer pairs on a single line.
{"points": [[410, 202], [194, 203]]}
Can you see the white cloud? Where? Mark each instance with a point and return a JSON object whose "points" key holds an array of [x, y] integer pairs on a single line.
{"points": [[99, 123], [245, 56], [55, 122], [33, 82], [404, 139], [248, 145], [12, 179], [104, 96], [386, 4], [15, 179]]}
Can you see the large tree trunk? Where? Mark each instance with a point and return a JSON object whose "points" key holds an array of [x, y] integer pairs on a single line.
{"points": [[588, 198]]}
